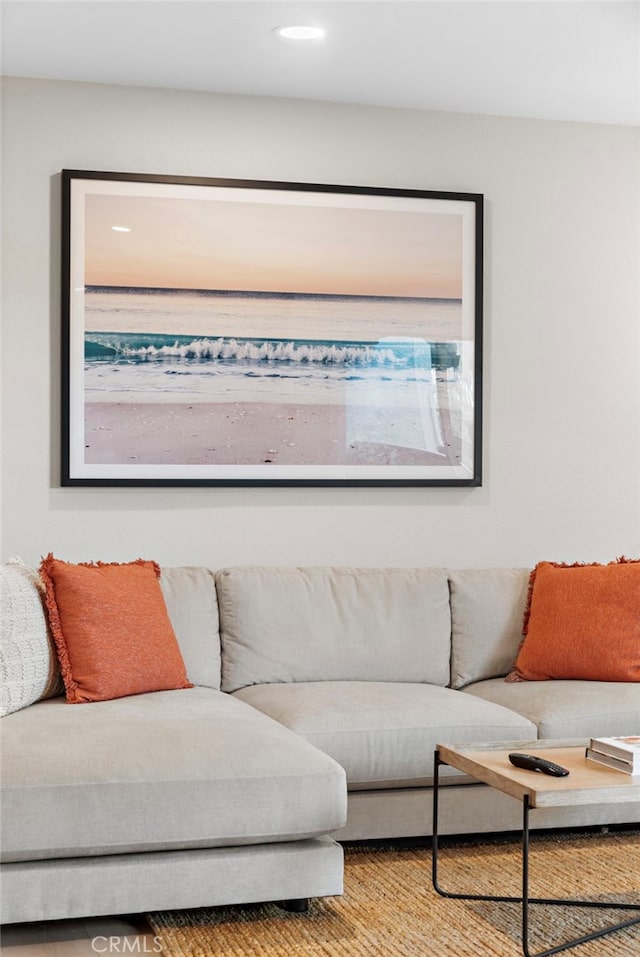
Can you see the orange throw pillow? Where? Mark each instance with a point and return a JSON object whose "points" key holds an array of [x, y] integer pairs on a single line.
{"points": [[112, 629], [582, 622]]}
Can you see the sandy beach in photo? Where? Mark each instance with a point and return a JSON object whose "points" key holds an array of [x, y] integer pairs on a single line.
{"points": [[250, 433]]}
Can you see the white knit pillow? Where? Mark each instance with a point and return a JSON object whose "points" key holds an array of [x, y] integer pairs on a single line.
{"points": [[28, 664]]}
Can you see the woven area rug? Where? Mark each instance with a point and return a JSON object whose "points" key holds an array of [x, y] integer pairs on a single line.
{"points": [[389, 908]]}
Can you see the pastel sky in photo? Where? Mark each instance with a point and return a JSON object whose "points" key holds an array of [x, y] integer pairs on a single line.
{"points": [[270, 246]]}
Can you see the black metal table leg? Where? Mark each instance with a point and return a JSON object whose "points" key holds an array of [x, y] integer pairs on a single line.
{"points": [[524, 900]]}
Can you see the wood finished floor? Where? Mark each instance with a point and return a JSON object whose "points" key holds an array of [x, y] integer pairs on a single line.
{"points": [[77, 938]]}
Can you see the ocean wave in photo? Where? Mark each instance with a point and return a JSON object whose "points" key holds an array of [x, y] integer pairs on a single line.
{"points": [[153, 368], [128, 348]]}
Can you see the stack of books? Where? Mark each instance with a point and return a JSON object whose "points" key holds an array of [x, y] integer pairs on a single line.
{"points": [[623, 754]]}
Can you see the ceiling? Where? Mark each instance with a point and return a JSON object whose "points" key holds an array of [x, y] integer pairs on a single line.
{"points": [[551, 59]]}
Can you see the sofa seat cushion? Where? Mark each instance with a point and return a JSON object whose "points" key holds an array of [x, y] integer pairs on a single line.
{"points": [[333, 624], [159, 771], [567, 709], [384, 733]]}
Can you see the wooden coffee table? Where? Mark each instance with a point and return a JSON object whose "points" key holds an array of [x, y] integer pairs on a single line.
{"points": [[587, 783]]}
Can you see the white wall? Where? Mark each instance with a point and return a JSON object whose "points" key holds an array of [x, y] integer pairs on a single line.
{"points": [[562, 328]]}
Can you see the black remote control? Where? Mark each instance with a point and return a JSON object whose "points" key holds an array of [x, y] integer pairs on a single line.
{"points": [[532, 763]]}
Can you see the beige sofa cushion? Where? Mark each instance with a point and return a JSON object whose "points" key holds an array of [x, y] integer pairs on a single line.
{"points": [[487, 610], [29, 667], [333, 624], [568, 709], [383, 733], [191, 600], [159, 771]]}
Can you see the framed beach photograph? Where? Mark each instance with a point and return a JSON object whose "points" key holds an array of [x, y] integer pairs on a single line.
{"points": [[241, 332]]}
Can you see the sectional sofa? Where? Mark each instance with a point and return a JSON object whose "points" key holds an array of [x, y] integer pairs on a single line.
{"points": [[319, 696]]}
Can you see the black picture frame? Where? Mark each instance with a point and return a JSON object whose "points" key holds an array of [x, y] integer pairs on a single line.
{"points": [[230, 332]]}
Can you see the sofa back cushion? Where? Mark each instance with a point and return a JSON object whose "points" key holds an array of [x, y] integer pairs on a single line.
{"points": [[333, 624], [190, 597], [487, 612]]}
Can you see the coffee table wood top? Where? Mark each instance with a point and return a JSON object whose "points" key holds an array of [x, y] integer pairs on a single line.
{"points": [[586, 783]]}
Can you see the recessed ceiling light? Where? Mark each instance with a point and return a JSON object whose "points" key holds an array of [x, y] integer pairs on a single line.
{"points": [[121, 229], [301, 33]]}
